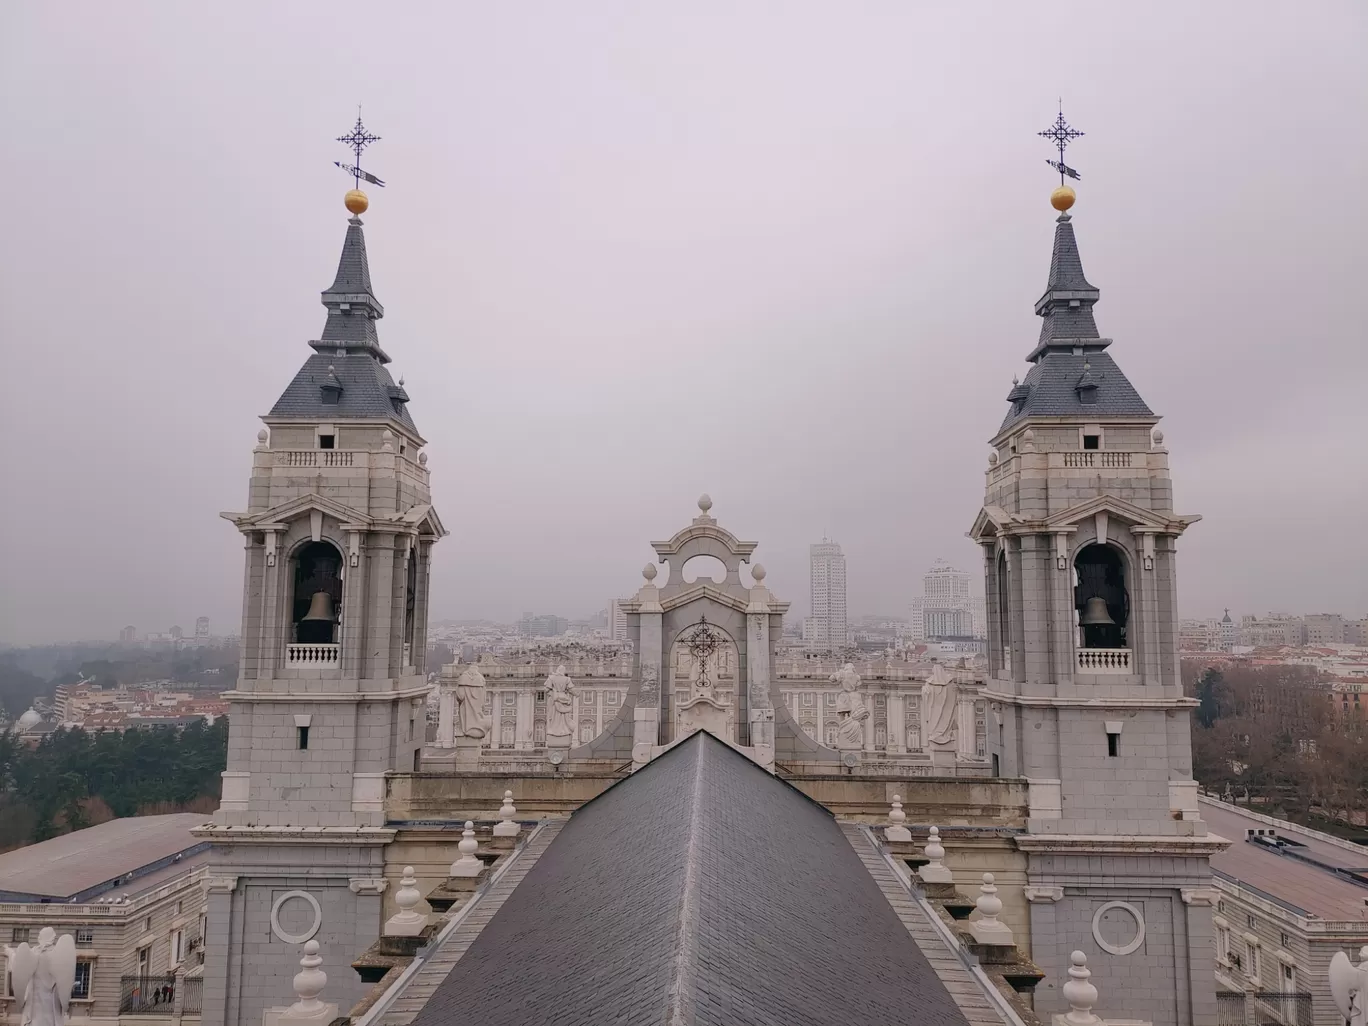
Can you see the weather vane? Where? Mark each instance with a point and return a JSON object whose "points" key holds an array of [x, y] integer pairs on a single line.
{"points": [[1062, 135], [358, 139]]}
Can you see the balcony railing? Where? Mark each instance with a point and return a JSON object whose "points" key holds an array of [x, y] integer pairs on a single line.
{"points": [[1263, 1008], [147, 995], [313, 657], [315, 458], [1097, 458], [1104, 660]]}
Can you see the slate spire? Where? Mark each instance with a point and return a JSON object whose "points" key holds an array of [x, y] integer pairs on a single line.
{"points": [[1067, 303], [350, 301]]}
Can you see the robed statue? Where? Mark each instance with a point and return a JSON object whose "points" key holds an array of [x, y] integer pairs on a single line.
{"points": [[560, 708], [940, 701], [471, 720], [42, 977], [851, 712]]}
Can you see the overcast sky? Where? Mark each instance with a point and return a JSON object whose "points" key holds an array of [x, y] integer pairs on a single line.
{"points": [[785, 253]]}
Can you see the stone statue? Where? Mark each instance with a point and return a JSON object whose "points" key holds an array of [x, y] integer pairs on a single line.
{"points": [[560, 709], [1348, 986], [940, 701], [851, 712], [471, 721], [42, 977]]}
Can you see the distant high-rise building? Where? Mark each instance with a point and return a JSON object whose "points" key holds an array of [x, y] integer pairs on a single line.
{"points": [[177, 633], [128, 635], [202, 631], [947, 608], [828, 594], [548, 625], [617, 620]]}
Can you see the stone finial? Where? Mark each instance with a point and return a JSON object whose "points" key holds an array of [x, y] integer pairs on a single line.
{"points": [[897, 819], [408, 921], [649, 572], [262, 436], [1157, 440], [308, 984], [422, 459], [507, 825], [758, 573], [935, 871], [993, 458], [1080, 993], [467, 865], [704, 504], [988, 929], [387, 440], [1028, 440]]}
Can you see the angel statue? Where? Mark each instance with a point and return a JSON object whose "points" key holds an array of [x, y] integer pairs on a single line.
{"points": [[42, 977], [1349, 987]]}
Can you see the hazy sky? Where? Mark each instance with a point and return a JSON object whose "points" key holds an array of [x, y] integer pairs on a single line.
{"points": [[782, 252]]}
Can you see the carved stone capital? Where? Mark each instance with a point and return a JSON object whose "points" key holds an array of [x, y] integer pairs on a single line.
{"points": [[219, 884], [1199, 896], [1040, 894], [367, 884]]}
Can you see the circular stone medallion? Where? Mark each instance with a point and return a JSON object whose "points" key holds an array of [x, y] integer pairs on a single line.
{"points": [[1126, 910], [296, 938]]}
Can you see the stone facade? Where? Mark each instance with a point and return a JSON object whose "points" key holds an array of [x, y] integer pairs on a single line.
{"points": [[1079, 537], [332, 683]]}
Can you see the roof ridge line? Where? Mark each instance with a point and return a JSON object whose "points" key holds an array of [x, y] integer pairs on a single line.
{"points": [[681, 971]]}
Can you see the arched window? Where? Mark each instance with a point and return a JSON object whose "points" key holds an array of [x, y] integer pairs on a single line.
{"points": [[1100, 597], [316, 608], [1004, 621]]}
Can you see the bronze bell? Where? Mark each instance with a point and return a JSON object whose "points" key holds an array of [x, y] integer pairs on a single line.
{"points": [[1094, 613], [321, 607]]}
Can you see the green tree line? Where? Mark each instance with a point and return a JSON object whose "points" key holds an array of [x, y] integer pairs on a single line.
{"points": [[72, 779]]}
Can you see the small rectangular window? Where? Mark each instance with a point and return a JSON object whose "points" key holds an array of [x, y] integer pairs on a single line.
{"points": [[80, 986], [1092, 441], [327, 441], [85, 938], [1282, 939], [1113, 745], [303, 735], [19, 935]]}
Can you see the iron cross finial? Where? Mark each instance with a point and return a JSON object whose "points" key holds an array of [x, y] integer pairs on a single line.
{"points": [[1061, 134], [357, 140]]}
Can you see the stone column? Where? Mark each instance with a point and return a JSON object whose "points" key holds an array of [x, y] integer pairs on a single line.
{"points": [[897, 722], [275, 616], [522, 732], [758, 676], [647, 729], [868, 698], [964, 726], [352, 630]]}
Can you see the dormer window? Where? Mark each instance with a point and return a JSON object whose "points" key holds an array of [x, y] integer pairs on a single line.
{"points": [[328, 441], [1092, 441]]}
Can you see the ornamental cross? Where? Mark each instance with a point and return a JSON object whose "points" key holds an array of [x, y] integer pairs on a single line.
{"points": [[702, 642], [1062, 135], [357, 140]]}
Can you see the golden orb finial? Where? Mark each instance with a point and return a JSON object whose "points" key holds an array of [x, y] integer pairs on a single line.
{"points": [[1061, 199], [357, 202]]}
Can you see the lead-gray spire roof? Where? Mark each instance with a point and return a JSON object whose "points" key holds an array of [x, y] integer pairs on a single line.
{"points": [[1071, 375], [346, 377], [700, 890]]}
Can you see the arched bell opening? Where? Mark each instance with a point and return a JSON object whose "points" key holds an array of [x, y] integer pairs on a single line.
{"points": [[1101, 598], [316, 604], [410, 602], [1004, 630]]}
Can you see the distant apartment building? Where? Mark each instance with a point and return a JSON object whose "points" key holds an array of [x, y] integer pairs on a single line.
{"points": [[827, 590], [128, 635], [202, 630], [947, 608], [546, 625], [1323, 629], [617, 620]]}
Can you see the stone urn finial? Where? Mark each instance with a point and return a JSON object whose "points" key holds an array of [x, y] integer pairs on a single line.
{"points": [[309, 982], [1080, 993], [897, 822]]}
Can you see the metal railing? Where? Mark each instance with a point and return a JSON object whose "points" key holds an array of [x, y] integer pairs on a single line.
{"points": [[1104, 660], [192, 995], [147, 995], [313, 656], [1263, 1008]]}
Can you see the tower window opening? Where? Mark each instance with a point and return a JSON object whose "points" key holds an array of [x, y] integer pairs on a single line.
{"points": [[327, 441], [302, 738], [1100, 598], [316, 608], [1092, 441], [1113, 744]]}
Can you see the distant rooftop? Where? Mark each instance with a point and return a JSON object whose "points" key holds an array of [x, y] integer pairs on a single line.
{"points": [[1312, 875], [79, 865]]}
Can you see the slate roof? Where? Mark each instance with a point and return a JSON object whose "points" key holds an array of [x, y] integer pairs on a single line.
{"points": [[1070, 351], [350, 346], [701, 890]]}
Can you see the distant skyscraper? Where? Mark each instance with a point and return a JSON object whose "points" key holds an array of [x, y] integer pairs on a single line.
{"points": [[617, 620], [202, 631], [128, 635], [177, 633], [828, 593], [946, 608]]}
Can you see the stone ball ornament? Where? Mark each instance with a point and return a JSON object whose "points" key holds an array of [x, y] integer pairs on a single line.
{"points": [[649, 571], [758, 572], [705, 503], [356, 201]]}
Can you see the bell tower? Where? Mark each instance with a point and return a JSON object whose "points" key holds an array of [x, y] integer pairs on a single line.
{"points": [[1079, 541], [331, 694]]}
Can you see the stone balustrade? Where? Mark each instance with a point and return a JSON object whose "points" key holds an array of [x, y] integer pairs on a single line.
{"points": [[1104, 660], [313, 656]]}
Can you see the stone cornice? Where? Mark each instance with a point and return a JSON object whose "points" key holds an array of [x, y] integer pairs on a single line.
{"points": [[1110, 844], [295, 835], [325, 696], [1055, 702]]}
